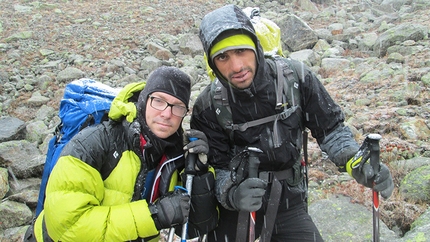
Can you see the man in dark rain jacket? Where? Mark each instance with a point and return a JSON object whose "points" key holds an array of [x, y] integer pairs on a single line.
{"points": [[236, 57], [115, 181]]}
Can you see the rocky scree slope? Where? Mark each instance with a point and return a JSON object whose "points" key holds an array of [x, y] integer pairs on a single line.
{"points": [[43, 46]]}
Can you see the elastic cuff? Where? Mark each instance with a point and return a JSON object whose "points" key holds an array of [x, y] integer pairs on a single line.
{"points": [[230, 201], [154, 211]]}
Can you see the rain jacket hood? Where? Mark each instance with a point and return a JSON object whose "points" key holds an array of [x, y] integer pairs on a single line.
{"points": [[224, 22]]}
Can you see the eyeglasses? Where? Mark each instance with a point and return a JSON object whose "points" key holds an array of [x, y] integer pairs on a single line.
{"points": [[161, 105]]}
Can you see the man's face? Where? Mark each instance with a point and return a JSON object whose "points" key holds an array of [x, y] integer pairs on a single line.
{"points": [[163, 123], [237, 66]]}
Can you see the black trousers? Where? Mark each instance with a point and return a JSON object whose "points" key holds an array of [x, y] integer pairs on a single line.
{"points": [[292, 222]]}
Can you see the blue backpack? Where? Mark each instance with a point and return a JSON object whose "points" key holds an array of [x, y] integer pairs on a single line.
{"points": [[85, 102]]}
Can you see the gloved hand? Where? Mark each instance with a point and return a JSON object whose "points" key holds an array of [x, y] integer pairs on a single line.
{"points": [[360, 168], [248, 195], [200, 147], [171, 209]]}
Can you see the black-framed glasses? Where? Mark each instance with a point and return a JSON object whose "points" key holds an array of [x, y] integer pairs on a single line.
{"points": [[161, 105]]}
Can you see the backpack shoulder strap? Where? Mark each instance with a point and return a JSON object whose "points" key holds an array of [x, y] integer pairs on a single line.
{"points": [[291, 90], [219, 98], [290, 84], [220, 94]]}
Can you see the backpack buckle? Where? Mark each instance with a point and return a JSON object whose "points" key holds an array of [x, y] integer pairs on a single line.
{"points": [[232, 127], [287, 112]]}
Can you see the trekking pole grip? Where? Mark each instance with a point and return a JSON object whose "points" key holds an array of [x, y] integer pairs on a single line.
{"points": [[374, 151], [191, 161], [254, 161]]}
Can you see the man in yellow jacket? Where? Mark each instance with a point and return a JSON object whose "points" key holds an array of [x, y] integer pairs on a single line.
{"points": [[115, 181]]}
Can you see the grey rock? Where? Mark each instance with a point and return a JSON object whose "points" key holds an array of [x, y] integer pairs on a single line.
{"points": [[4, 182], [341, 210], [295, 34], [19, 36], [15, 234], [309, 57], [70, 74], [399, 34], [11, 128], [396, 58], [28, 197], [37, 99], [420, 228], [190, 44], [159, 51], [36, 131], [331, 64], [14, 214], [22, 157], [150, 63], [415, 129], [411, 187], [411, 164], [395, 4]]}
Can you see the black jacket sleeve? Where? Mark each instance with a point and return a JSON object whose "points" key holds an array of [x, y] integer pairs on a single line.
{"points": [[324, 117]]}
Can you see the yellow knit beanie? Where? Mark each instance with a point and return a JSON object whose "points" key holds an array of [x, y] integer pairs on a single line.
{"points": [[238, 41]]}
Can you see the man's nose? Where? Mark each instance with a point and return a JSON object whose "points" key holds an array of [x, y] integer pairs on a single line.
{"points": [[236, 63]]}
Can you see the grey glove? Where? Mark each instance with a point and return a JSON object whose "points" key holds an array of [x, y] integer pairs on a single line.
{"points": [[171, 209], [200, 147], [381, 182], [248, 195], [384, 182]]}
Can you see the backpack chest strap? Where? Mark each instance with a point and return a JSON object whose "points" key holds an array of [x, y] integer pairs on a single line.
{"points": [[279, 116]]}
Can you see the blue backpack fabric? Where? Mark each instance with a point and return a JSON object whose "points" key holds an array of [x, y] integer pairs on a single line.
{"points": [[85, 102]]}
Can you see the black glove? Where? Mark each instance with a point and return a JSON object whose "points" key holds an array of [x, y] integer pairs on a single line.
{"points": [[171, 209], [248, 195], [360, 168], [200, 147]]}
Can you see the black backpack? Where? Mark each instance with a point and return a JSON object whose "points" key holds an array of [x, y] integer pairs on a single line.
{"points": [[287, 98]]}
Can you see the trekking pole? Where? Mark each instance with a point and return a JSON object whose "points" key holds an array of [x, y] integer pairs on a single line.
{"points": [[171, 234], [374, 162], [190, 172], [172, 229], [253, 163]]}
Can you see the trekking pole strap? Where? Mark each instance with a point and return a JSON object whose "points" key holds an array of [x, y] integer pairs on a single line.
{"points": [[242, 226], [272, 210]]}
